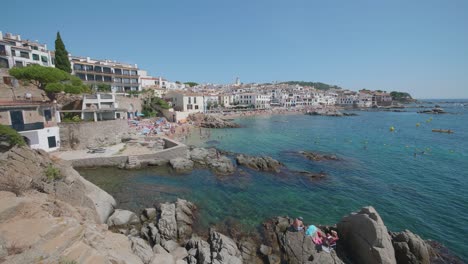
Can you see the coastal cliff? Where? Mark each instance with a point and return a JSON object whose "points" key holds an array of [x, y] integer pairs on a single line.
{"points": [[50, 214]]}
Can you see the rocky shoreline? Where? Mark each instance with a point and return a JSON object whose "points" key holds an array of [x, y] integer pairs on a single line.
{"points": [[50, 213]]}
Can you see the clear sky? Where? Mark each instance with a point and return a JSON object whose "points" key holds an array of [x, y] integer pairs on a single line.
{"points": [[409, 45]]}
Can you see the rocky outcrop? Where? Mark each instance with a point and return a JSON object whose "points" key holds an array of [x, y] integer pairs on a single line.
{"points": [[122, 217], [223, 249], [212, 159], [184, 218], [141, 248], [211, 121], [410, 248], [24, 169], [294, 247], [324, 112], [317, 156], [167, 224], [263, 163], [181, 164], [366, 238]]}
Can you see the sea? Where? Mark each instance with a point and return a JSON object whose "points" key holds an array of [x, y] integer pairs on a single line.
{"points": [[415, 178]]}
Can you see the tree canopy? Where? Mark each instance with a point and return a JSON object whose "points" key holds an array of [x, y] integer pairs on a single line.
{"points": [[191, 84], [401, 96], [317, 85], [61, 55], [51, 80]]}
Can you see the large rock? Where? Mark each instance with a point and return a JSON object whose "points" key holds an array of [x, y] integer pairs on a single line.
{"points": [[122, 217], [212, 159], [213, 121], [365, 237], [141, 248], [167, 224], [223, 249], [317, 156], [199, 250], [259, 163], [181, 164], [150, 232], [410, 248], [184, 218], [24, 169]]}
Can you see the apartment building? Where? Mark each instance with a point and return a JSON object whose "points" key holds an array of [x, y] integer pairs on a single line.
{"points": [[187, 102], [15, 52], [120, 76]]}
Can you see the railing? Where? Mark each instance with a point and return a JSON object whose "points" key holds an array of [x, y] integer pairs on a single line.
{"points": [[107, 96], [27, 127]]}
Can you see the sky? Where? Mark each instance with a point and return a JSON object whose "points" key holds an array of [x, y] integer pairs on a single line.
{"points": [[417, 46]]}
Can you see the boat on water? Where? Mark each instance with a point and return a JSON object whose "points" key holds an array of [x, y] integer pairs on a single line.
{"points": [[443, 131]]}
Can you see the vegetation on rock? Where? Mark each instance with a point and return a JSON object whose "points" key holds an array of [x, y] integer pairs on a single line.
{"points": [[191, 84], [9, 136], [316, 85], [401, 96]]}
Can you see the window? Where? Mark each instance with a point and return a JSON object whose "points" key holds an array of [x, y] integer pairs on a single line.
{"points": [[35, 57], [90, 77], [19, 64], [52, 60], [190, 100], [107, 79], [81, 76], [126, 80], [118, 71], [196, 107], [48, 114], [189, 107], [106, 70], [4, 63], [194, 100], [78, 67], [117, 80], [13, 52], [133, 72], [88, 67], [98, 69], [133, 80], [2, 50], [34, 47], [99, 78], [126, 72], [24, 54], [44, 59]]}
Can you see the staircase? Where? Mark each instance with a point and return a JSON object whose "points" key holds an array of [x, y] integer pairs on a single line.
{"points": [[132, 161]]}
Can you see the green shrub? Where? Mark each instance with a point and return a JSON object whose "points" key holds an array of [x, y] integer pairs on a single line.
{"points": [[54, 87], [52, 173], [72, 89], [11, 136]]}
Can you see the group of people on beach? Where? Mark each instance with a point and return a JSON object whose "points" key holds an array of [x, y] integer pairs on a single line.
{"points": [[325, 242]]}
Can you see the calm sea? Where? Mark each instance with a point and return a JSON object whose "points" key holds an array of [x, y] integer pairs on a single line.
{"points": [[415, 178]]}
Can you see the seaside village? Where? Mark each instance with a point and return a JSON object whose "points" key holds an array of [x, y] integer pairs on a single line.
{"points": [[108, 113], [123, 93]]}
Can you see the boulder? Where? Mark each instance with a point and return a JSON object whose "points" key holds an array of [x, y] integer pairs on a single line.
{"points": [[169, 245], [167, 224], [181, 164], [365, 237], [184, 218], [158, 249], [122, 217], [141, 249], [265, 250], [317, 156], [201, 248], [212, 159], [150, 232], [223, 249], [213, 121], [248, 250], [148, 214], [222, 165], [410, 248], [163, 258], [179, 253], [259, 163]]}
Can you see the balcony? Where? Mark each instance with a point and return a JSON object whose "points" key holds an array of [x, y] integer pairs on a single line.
{"points": [[27, 127]]}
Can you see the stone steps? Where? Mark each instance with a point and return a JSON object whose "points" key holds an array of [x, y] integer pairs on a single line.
{"points": [[132, 160]]}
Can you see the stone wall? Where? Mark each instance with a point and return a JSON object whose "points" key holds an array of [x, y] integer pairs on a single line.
{"points": [[96, 134], [173, 150]]}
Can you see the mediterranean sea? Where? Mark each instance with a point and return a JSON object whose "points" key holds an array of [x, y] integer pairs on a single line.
{"points": [[415, 178]]}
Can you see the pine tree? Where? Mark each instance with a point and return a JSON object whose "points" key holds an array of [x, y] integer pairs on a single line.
{"points": [[61, 55]]}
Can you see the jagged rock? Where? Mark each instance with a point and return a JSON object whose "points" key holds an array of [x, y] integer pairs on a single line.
{"points": [[325, 112], [158, 249], [273, 259], [212, 121], [259, 163], [202, 248], [248, 251], [192, 256], [133, 232], [167, 224], [265, 250], [169, 245], [181, 164], [212, 159], [365, 237], [148, 214], [317, 156], [141, 249], [179, 253], [150, 232], [24, 169], [223, 249], [122, 217], [410, 248], [184, 218]]}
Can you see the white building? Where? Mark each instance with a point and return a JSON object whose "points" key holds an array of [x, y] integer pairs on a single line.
{"points": [[15, 52], [35, 121], [187, 102], [121, 77], [258, 101]]}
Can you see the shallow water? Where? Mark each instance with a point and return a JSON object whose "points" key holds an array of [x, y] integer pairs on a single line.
{"points": [[425, 193]]}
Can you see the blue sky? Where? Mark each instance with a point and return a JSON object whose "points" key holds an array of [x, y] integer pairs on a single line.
{"points": [[415, 46]]}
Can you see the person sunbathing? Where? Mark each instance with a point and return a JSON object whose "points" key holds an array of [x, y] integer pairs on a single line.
{"points": [[297, 224]]}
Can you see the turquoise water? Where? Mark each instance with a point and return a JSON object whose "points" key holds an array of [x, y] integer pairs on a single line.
{"points": [[426, 193]]}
